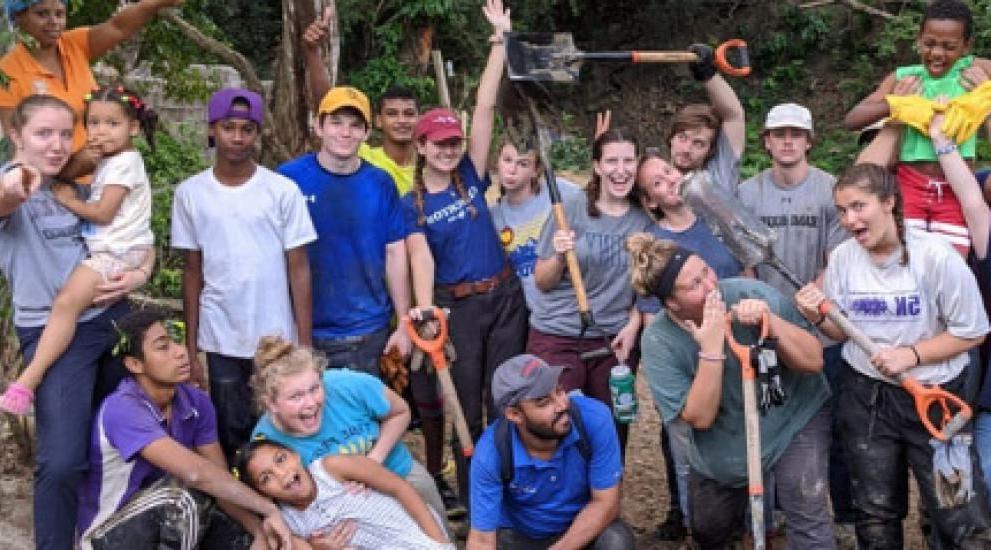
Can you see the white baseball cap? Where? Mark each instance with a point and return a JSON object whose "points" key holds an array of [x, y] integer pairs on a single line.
{"points": [[789, 115]]}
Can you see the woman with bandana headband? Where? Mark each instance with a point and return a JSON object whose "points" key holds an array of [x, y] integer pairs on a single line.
{"points": [[693, 377], [50, 60]]}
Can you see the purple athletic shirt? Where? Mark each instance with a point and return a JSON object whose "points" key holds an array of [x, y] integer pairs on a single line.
{"points": [[126, 423]]}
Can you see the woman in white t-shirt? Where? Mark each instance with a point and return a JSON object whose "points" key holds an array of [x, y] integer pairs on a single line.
{"points": [[915, 297], [117, 229]]}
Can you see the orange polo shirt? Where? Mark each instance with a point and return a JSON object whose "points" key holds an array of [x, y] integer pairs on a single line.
{"points": [[28, 77]]}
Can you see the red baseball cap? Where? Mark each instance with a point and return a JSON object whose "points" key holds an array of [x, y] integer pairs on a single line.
{"points": [[437, 125]]}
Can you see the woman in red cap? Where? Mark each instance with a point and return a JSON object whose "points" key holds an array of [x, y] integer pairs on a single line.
{"points": [[471, 275]]}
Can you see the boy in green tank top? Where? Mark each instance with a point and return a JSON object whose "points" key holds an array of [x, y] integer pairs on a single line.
{"points": [[912, 95]]}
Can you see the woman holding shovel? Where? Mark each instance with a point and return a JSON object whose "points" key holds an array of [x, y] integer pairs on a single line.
{"points": [[695, 378], [915, 297], [471, 275], [599, 221]]}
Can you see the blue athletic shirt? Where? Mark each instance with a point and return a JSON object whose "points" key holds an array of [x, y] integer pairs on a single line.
{"points": [[464, 248], [353, 406], [355, 216], [544, 497]]}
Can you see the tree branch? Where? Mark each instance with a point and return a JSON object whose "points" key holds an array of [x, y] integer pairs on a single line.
{"points": [[240, 64], [852, 4]]}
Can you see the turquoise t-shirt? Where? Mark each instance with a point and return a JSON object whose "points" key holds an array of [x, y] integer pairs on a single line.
{"points": [[352, 408], [915, 145], [670, 359]]}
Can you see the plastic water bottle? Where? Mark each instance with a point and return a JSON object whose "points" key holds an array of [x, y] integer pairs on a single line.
{"points": [[622, 386]]}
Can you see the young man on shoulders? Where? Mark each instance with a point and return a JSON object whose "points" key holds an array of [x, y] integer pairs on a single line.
{"points": [[243, 229], [359, 264], [564, 491], [712, 135]]}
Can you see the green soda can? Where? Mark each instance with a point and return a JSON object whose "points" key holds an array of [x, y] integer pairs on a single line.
{"points": [[622, 386]]}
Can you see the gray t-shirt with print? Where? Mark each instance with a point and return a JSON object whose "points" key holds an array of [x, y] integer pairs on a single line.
{"points": [[804, 218], [40, 245], [724, 166], [605, 267]]}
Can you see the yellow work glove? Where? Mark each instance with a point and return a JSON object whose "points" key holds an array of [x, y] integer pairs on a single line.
{"points": [[966, 114], [914, 110]]}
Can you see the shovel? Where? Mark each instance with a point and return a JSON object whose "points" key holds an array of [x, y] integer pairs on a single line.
{"points": [[553, 57]]}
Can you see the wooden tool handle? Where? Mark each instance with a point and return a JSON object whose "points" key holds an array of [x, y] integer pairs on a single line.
{"points": [[456, 412], [571, 260], [665, 57]]}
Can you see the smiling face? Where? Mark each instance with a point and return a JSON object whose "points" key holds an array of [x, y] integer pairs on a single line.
{"points": [[660, 183], [279, 474], [108, 128], [164, 361], [45, 139], [396, 119], [297, 406], [941, 43], [516, 170], [545, 417], [341, 133], [44, 21], [616, 169], [787, 146], [869, 219], [441, 156]]}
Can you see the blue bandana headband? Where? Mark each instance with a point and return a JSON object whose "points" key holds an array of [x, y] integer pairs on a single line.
{"points": [[14, 7]]}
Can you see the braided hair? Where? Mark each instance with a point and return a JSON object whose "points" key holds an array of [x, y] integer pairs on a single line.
{"points": [[880, 182], [133, 106], [594, 188]]}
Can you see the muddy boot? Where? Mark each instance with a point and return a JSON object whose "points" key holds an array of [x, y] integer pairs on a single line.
{"points": [[673, 527]]}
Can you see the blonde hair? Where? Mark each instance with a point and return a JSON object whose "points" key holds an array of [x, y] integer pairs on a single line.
{"points": [[648, 257], [277, 358]]}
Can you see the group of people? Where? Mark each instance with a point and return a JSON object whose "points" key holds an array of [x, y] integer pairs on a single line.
{"points": [[294, 279]]}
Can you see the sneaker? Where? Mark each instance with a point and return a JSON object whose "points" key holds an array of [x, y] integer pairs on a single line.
{"points": [[452, 504], [673, 527]]}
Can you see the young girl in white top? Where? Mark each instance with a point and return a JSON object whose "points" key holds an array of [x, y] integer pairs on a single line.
{"points": [[117, 229], [313, 499]]}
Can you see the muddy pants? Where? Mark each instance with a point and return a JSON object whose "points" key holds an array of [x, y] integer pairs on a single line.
{"points": [[801, 489], [884, 438], [167, 516]]}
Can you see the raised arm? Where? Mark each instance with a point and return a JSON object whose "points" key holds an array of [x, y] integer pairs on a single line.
{"points": [[105, 36], [375, 476], [488, 87], [317, 77], [725, 102], [961, 179]]}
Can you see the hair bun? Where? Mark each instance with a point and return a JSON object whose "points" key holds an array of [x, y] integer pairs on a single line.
{"points": [[271, 349]]}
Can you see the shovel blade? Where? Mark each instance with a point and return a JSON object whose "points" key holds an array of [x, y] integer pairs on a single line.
{"points": [[541, 57]]}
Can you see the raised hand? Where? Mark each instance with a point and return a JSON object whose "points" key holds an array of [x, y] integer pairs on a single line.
{"points": [[316, 33], [712, 332], [498, 17]]}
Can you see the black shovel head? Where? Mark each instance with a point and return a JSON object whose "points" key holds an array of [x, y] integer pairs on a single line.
{"points": [[541, 57]]}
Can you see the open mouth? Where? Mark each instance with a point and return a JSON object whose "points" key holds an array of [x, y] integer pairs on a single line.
{"points": [[860, 234], [294, 483], [310, 420]]}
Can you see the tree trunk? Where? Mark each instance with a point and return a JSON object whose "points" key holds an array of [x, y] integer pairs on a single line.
{"points": [[291, 104]]}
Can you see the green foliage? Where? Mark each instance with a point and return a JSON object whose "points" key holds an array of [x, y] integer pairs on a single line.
{"points": [[572, 151], [175, 159]]}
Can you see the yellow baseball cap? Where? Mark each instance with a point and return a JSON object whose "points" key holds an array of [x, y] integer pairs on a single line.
{"points": [[346, 96]]}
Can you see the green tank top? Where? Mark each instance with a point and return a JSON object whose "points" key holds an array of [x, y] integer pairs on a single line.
{"points": [[915, 145]]}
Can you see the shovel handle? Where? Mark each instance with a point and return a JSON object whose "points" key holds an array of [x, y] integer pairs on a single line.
{"points": [[925, 397], [571, 260], [743, 352], [435, 346], [725, 66], [664, 57]]}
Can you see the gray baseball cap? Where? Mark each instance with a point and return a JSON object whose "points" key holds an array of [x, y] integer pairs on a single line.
{"points": [[523, 377]]}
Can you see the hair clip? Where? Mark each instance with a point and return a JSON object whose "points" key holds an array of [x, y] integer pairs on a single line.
{"points": [[123, 345]]}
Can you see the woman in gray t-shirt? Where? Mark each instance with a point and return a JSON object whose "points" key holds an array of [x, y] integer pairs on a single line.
{"points": [[40, 245], [600, 221]]}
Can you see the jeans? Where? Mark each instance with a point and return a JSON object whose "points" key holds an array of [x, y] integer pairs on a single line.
{"points": [[360, 353], [800, 477], [884, 439], [64, 405], [982, 440], [230, 392], [616, 536]]}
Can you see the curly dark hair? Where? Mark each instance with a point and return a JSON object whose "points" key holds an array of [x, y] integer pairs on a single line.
{"points": [[953, 10]]}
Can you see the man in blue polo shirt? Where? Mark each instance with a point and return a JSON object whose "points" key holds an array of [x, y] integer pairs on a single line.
{"points": [[564, 491], [358, 263]]}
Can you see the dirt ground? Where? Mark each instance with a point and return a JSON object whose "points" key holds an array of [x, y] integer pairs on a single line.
{"points": [[645, 498]]}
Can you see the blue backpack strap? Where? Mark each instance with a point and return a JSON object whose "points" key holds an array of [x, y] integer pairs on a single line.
{"points": [[504, 442]]}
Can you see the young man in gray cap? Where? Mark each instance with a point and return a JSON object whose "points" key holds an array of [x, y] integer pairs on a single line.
{"points": [[549, 471]]}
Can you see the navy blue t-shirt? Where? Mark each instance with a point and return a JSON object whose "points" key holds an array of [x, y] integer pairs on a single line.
{"points": [[355, 216], [982, 269], [699, 239], [465, 248]]}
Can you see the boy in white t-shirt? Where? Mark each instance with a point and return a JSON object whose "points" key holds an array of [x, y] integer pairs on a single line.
{"points": [[244, 230]]}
